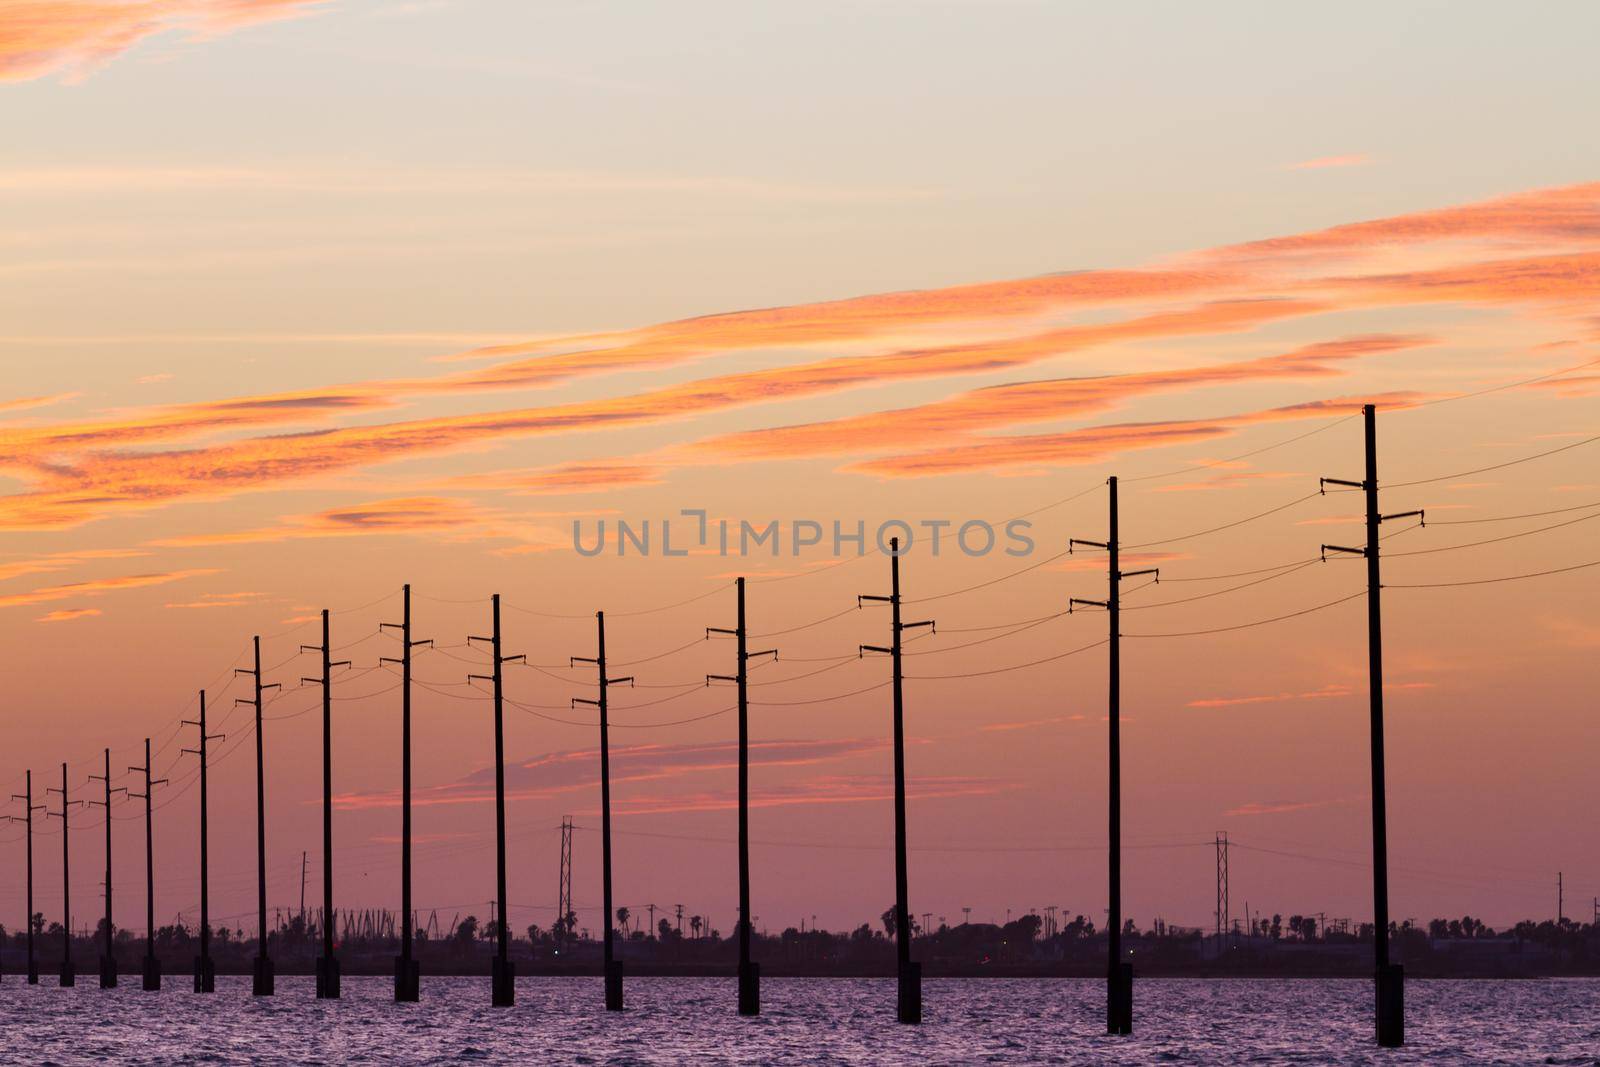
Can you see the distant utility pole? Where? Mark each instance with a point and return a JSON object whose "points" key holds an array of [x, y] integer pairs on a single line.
{"points": [[502, 983], [407, 971], [108, 959], [1561, 898], [1224, 912], [564, 888], [1390, 977], [152, 966], [749, 972], [613, 966], [69, 975], [680, 917], [262, 977], [29, 807], [205, 973], [328, 964], [966, 915], [652, 909], [1119, 974], [909, 1000]]}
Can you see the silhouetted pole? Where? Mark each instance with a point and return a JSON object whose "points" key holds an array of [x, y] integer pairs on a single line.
{"points": [[262, 977], [749, 972], [1119, 974], [328, 963], [407, 972], [108, 960], [152, 966], [1390, 978], [27, 818], [205, 973], [69, 974], [909, 1004], [502, 992], [613, 966]]}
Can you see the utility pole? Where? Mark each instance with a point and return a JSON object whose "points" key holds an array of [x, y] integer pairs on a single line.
{"points": [[502, 992], [304, 861], [152, 966], [69, 975], [262, 977], [909, 1001], [1561, 898], [108, 959], [328, 963], [749, 972], [564, 888], [205, 973], [407, 971], [652, 909], [1390, 978], [613, 966], [1119, 974], [29, 807]]}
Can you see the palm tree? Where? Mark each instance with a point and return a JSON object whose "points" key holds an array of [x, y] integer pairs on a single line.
{"points": [[622, 919], [694, 925]]}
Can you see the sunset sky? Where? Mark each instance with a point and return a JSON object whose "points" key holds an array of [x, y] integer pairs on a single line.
{"points": [[301, 301]]}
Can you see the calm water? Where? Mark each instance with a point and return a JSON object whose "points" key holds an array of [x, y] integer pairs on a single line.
{"points": [[804, 1021]]}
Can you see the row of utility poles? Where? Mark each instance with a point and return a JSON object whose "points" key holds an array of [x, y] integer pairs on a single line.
{"points": [[1389, 977]]}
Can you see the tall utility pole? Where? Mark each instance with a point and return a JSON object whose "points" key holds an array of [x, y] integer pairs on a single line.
{"points": [[1390, 982], [1561, 898], [502, 991], [328, 963], [205, 974], [564, 889], [108, 959], [1224, 912], [262, 977], [749, 972], [29, 807], [909, 1001], [407, 972], [69, 974], [613, 966], [152, 966], [1119, 974]]}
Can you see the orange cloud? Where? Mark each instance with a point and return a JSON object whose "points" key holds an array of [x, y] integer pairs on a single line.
{"points": [[1047, 400], [407, 515], [97, 587], [68, 614], [1099, 442], [40, 37], [1323, 162]]}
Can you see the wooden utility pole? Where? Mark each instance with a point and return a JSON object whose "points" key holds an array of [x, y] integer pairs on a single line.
{"points": [[613, 966], [108, 959], [1119, 973], [205, 972], [262, 983], [29, 807], [1390, 977], [327, 964], [69, 974], [407, 972], [909, 1001], [152, 965], [502, 993], [749, 971]]}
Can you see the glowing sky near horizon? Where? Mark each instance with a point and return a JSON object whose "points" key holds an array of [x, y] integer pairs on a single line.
{"points": [[301, 301]]}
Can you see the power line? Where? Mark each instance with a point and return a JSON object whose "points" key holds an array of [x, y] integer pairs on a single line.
{"points": [[1491, 581], [1258, 622], [1496, 466]]}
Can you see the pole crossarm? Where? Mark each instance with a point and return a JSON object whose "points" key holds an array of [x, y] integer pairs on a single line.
{"points": [[1135, 574], [1074, 542], [1323, 483], [1341, 548]]}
